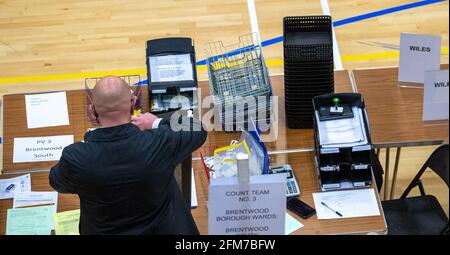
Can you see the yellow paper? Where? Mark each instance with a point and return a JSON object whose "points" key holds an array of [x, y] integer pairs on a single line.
{"points": [[66, 223]]}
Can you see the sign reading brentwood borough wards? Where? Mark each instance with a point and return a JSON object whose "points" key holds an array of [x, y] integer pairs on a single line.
{"points": [[435, 95], [418, 53], [35, 149], [255, 208]]}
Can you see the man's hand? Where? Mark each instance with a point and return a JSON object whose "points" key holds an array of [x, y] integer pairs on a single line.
{"points": [[144, 121]]}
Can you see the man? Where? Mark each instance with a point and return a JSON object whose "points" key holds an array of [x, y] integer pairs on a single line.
{"points": [[123, 172]]}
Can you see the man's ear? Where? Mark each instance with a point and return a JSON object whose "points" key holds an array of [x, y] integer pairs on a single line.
{"points": [[133, 102], [92, 111]]}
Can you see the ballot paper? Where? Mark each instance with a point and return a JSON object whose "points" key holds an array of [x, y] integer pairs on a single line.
{"points": [[29, 221], [23, 199], [347, 132], [171, 68], [46, 110], [67, 223], [292, 224], [349, 203], [21, 184], [194, 202]]}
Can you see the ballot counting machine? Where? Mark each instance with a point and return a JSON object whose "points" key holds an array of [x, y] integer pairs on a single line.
{"points": [[172, 75], [342, 141], [172, 86]]}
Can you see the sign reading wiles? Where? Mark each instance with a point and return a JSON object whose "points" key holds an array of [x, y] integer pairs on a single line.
{"points": [[418, 53]]}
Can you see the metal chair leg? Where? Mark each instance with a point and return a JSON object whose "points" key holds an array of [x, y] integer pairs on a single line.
{"points": [[394, 177], [386, 175]]}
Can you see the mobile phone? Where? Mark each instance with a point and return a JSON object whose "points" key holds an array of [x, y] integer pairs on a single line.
{"points": [[300, 208]]}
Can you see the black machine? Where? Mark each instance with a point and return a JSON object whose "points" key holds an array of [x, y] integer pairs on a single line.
{"points": [[172, 74], [172, 85], [342, 141]]}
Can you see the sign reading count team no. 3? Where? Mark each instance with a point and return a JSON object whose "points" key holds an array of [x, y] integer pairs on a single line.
{"points": [[418, 53], [36, 149], [257, 208]]}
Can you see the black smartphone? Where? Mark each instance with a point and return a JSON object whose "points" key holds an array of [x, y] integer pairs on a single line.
{"points": [[300, 208]]}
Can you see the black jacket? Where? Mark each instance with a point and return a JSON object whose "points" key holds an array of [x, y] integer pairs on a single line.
{"points": [[125, 179]]}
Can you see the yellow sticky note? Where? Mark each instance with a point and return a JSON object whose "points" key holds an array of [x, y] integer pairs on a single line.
{"points": [[66, 223]]}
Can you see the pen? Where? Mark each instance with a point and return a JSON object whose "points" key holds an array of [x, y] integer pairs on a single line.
{"points": [[26, 206], [336, 212]]}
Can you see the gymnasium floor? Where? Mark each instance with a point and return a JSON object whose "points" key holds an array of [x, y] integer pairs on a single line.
{"points": [[55, 44]]}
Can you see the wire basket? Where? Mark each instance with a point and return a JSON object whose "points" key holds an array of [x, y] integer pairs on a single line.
{"points": [[89, 84], [235, 72]]}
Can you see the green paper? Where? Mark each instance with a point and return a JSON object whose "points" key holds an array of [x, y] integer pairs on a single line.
{"points": [[29, 221], [66, 223]]}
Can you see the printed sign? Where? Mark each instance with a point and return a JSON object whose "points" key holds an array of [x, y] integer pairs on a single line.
{"points": [[35, 149], [435, 95], [255, 208], [418, 53], [171, 68]]}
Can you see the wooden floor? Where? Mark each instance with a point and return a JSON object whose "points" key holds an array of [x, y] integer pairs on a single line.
{"points": [[54, 44]]}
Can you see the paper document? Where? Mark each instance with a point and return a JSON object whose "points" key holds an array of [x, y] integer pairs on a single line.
{"points": [[349, 203], [171, 68], [46, 110], [292, 224], [29, 221], [67, 223], [435, 95], [36, 149], [194, 202], [418, 53], [346, 132], [23, 199], [19, 184]]}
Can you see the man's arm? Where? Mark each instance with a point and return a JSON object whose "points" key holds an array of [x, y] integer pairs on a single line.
{"points": [[60, 177], [186, 134]]}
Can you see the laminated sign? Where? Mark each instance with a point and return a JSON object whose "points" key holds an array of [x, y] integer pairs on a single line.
{"points": [[255, 208], [418, 53]]}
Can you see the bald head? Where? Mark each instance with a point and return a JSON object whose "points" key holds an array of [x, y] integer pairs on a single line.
{"points": [[112, 99]]}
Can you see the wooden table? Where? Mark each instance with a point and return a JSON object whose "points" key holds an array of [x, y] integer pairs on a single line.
{"points": [[286, 149], [15, 124], [395, 115], [304, 170]]}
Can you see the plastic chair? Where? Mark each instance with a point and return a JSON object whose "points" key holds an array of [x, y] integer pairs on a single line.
{"points": [[421, 215]]}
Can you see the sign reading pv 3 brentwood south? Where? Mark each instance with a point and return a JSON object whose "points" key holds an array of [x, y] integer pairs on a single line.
{"points": [[418, 53], [255, 208], [435, 95], [36, 149]]}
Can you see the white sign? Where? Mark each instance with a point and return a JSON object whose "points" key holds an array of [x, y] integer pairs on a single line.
{"points": [[46, 110], [35, 149], [255, 208], [418, 53], [18, 184], [171, 68], [435, 95]]}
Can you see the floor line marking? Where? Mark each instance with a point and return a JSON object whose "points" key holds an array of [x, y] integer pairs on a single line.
{"points": [[336, 54], [200, 64], [253, 21]]}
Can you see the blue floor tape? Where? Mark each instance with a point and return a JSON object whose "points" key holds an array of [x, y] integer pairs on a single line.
{"points": [[339, 23]]}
